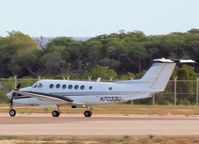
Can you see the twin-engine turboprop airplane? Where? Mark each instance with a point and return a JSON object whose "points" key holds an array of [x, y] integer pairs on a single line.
{"points": [[54, 93]]}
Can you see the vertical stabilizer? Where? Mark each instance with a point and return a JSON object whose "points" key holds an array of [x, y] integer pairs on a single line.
{"points": [[158, 75]]}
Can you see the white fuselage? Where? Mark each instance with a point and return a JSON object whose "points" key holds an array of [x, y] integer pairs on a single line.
{"points": [[85, 92]]}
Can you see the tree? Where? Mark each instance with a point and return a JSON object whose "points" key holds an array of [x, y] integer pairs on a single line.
{"points": [[186, 73], [53, 63], [103, 72], [11, 49]]}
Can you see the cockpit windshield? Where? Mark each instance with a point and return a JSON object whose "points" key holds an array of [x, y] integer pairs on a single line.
{"points": [[34, 85], [37, 85]]}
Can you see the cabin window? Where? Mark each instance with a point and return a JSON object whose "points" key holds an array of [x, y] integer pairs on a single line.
{"points": [[110, 88], [90, 87], [39, 85], [51, 86], [58, 86], [76, 87], [70, 87], [64, 86], [82, 87]]}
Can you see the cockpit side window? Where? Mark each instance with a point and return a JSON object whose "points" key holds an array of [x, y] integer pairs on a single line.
{"points": [[39, 85]]}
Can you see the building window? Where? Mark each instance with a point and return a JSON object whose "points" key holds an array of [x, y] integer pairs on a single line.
{"points": [[51, 86], [58, 86], [70, 87], [82, 87], [90, 87], [76, 87], [64, 86]]}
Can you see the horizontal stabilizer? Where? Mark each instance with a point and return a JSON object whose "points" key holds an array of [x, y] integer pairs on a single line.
{"points": [[184, 61], [163, 60]]}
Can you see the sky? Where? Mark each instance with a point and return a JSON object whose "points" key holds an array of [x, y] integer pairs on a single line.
{"points": [[89, 18]]}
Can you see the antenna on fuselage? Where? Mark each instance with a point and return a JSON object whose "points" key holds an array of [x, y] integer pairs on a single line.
{"points": [[98, 79]]}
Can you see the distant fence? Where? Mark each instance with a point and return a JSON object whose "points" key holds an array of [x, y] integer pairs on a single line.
{"points": [[177, 91]]}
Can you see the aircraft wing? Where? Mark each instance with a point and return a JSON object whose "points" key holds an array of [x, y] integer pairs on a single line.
{"points": [[45, 97]]}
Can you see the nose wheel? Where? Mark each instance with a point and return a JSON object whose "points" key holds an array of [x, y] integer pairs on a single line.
{"points": [[12, 112]]}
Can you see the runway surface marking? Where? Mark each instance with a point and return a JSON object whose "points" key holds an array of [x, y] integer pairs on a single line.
{"points": [[99, 125]]}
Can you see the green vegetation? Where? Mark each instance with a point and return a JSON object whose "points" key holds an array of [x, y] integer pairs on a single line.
{"points": [[123, 55]]}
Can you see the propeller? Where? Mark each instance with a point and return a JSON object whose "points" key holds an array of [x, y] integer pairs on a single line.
{"points": [[18, 86], [14, 93]]}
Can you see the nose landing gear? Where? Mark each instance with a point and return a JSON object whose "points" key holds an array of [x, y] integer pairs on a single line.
{"points": [[12, 112]]}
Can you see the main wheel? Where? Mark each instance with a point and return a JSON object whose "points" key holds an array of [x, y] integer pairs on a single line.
{"points": [[87, 113], [12, 112], [55, 114]]}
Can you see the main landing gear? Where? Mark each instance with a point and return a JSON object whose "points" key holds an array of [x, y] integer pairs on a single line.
{"points": [[88, 113], [56, 113]]}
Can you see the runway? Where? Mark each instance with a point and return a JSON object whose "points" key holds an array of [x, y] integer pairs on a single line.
{"points": [[98, 125]]}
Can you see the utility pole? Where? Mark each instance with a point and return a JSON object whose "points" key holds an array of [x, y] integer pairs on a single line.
{"points": [[15, 81], [153, 99], [197, 91], [175, 89]]}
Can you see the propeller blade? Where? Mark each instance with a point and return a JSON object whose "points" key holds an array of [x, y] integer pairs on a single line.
{"points": [[14, 94], [18, 86]]}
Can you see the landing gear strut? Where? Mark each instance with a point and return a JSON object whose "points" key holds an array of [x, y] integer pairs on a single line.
{"points": [[12, 111]]}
